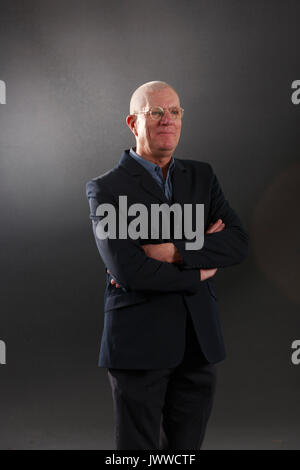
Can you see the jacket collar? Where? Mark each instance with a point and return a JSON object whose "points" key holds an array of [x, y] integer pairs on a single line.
{"points": [[181, 188], [133, 167]]}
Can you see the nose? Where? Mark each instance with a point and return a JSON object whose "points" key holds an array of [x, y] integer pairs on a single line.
{"points": [[166, 117]]}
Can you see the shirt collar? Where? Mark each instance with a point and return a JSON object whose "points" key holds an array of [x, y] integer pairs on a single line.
{"points": [[153, 167]]}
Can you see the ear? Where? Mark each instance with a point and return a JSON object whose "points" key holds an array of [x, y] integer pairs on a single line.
{"points": [[131, 123]]}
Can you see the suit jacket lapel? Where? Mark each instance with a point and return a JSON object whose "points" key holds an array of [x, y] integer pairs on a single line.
{"points": [[182, 190], [150, 185], [145, 179]]}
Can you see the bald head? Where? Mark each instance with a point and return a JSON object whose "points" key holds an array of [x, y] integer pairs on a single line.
{"points": [[156, 139], [139, 96]]}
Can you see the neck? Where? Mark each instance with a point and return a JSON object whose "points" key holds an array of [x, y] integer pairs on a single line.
{"points": [[160, 158]]}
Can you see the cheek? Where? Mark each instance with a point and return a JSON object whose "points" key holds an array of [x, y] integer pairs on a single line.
{"points": [[143, 132], [178, 129], [150, 131]]}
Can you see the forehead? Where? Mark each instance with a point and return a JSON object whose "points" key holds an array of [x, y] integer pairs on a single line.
{"points": [[165, 97]]}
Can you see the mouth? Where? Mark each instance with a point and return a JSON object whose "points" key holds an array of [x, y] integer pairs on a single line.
{"points": [[166, 133]]}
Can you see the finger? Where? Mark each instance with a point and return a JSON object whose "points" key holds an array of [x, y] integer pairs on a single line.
{"points": [[212, 229], [218, 222], [216, 227], [219, 229], [207, 273]]}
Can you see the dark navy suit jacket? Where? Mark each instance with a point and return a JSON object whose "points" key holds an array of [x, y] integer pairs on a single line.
{"points": [[144, 324]]}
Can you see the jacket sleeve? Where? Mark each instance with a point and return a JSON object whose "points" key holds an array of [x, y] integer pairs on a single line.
{"points": [[127, 261], [221, 249]]}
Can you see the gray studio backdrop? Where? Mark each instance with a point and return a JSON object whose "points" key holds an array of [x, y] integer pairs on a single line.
{"points": [[69, 68]]}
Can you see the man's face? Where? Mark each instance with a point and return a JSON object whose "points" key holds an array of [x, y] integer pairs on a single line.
{"points": [[161, 136]]}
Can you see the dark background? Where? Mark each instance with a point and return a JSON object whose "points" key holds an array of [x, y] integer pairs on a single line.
{"points": [[70, 68]]}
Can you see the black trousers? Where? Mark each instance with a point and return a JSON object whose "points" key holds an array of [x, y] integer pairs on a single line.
{"points": [[164, 408]]}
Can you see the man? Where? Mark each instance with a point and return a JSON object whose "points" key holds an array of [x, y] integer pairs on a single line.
{"points": [[162, 334]]}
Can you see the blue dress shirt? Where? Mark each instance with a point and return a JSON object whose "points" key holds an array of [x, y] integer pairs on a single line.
{"points": [[156, 172]]}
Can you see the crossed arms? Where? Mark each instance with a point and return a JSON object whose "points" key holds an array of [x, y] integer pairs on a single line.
{"points": [[167, 252], [169, 267]]}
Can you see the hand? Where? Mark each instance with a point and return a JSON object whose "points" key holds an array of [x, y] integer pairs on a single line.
{"points": [[213, 228], [166, 252], [112, 281], [162, 252], [207, 273]]}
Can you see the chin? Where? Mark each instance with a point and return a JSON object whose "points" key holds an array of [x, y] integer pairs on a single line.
{"points": [[166, 149], [166, 146]]}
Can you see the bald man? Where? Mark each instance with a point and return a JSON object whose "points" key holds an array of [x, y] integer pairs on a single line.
{"points": [[162, 335]]}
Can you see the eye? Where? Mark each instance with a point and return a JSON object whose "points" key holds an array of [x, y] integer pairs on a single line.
{"points": [[156, 113], [174, 111]]}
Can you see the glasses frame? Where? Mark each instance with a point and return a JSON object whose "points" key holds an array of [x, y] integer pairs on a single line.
{"points": [[164, 112]]}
